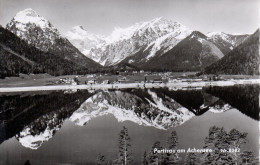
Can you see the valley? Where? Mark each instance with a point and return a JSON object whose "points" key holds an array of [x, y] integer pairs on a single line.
{"points": [[111, 82], [175, 81]]}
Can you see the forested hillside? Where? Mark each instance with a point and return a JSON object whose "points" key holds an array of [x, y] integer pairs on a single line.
{"points": [[244, 59]]}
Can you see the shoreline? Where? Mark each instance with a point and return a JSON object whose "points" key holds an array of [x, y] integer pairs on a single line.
{"points": [[174, 85]]}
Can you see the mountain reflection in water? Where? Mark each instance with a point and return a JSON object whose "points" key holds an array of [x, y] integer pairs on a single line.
{"points": [[37, 114], [34, 118]]}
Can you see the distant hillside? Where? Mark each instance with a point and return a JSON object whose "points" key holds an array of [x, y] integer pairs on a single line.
{"points": [[191, 54], [11, 64], [243, 59], [18, 57]]}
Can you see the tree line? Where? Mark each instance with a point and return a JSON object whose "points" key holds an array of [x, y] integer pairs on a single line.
{"points": [[218, 140]]}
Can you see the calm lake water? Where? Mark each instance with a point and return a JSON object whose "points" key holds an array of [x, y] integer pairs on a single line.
{"points": [[73, 127]]}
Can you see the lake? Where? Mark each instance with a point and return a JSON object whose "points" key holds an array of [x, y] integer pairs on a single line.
{"points": [[73, 127]]}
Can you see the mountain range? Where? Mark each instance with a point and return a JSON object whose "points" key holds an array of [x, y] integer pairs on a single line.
{"points": [[31, 44], [191, 54], [164, 45], [35, 32], [123, 43]]}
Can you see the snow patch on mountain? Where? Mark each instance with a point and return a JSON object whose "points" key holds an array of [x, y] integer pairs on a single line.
{"points": [[34, 141], [29, 139], [168, 41], [217, 108], [182, 113], [41, 130], [220, 109], [200, 40]]}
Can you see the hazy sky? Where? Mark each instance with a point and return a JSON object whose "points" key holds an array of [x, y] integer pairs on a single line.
{"points": [[101, 16]]}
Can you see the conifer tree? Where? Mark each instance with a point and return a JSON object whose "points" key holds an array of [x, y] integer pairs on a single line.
{"points": [[124, 153], [227, 148], [248, 158], [145, 161], [190, 159], [172, 158], [236, 139], [154, 157], [173, 140]]}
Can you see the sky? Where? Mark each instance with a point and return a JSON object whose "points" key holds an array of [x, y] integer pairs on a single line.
{"points": [[102, 16]]}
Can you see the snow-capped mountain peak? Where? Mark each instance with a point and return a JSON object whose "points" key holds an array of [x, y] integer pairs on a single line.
{"points": [[28, 12], [29, 16], [85, 41], [33, 28], [159, 33], [164, 24], [159, 26], [220, 35], [120, 34], [79, 32], [212, 34], [126, 33]]}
